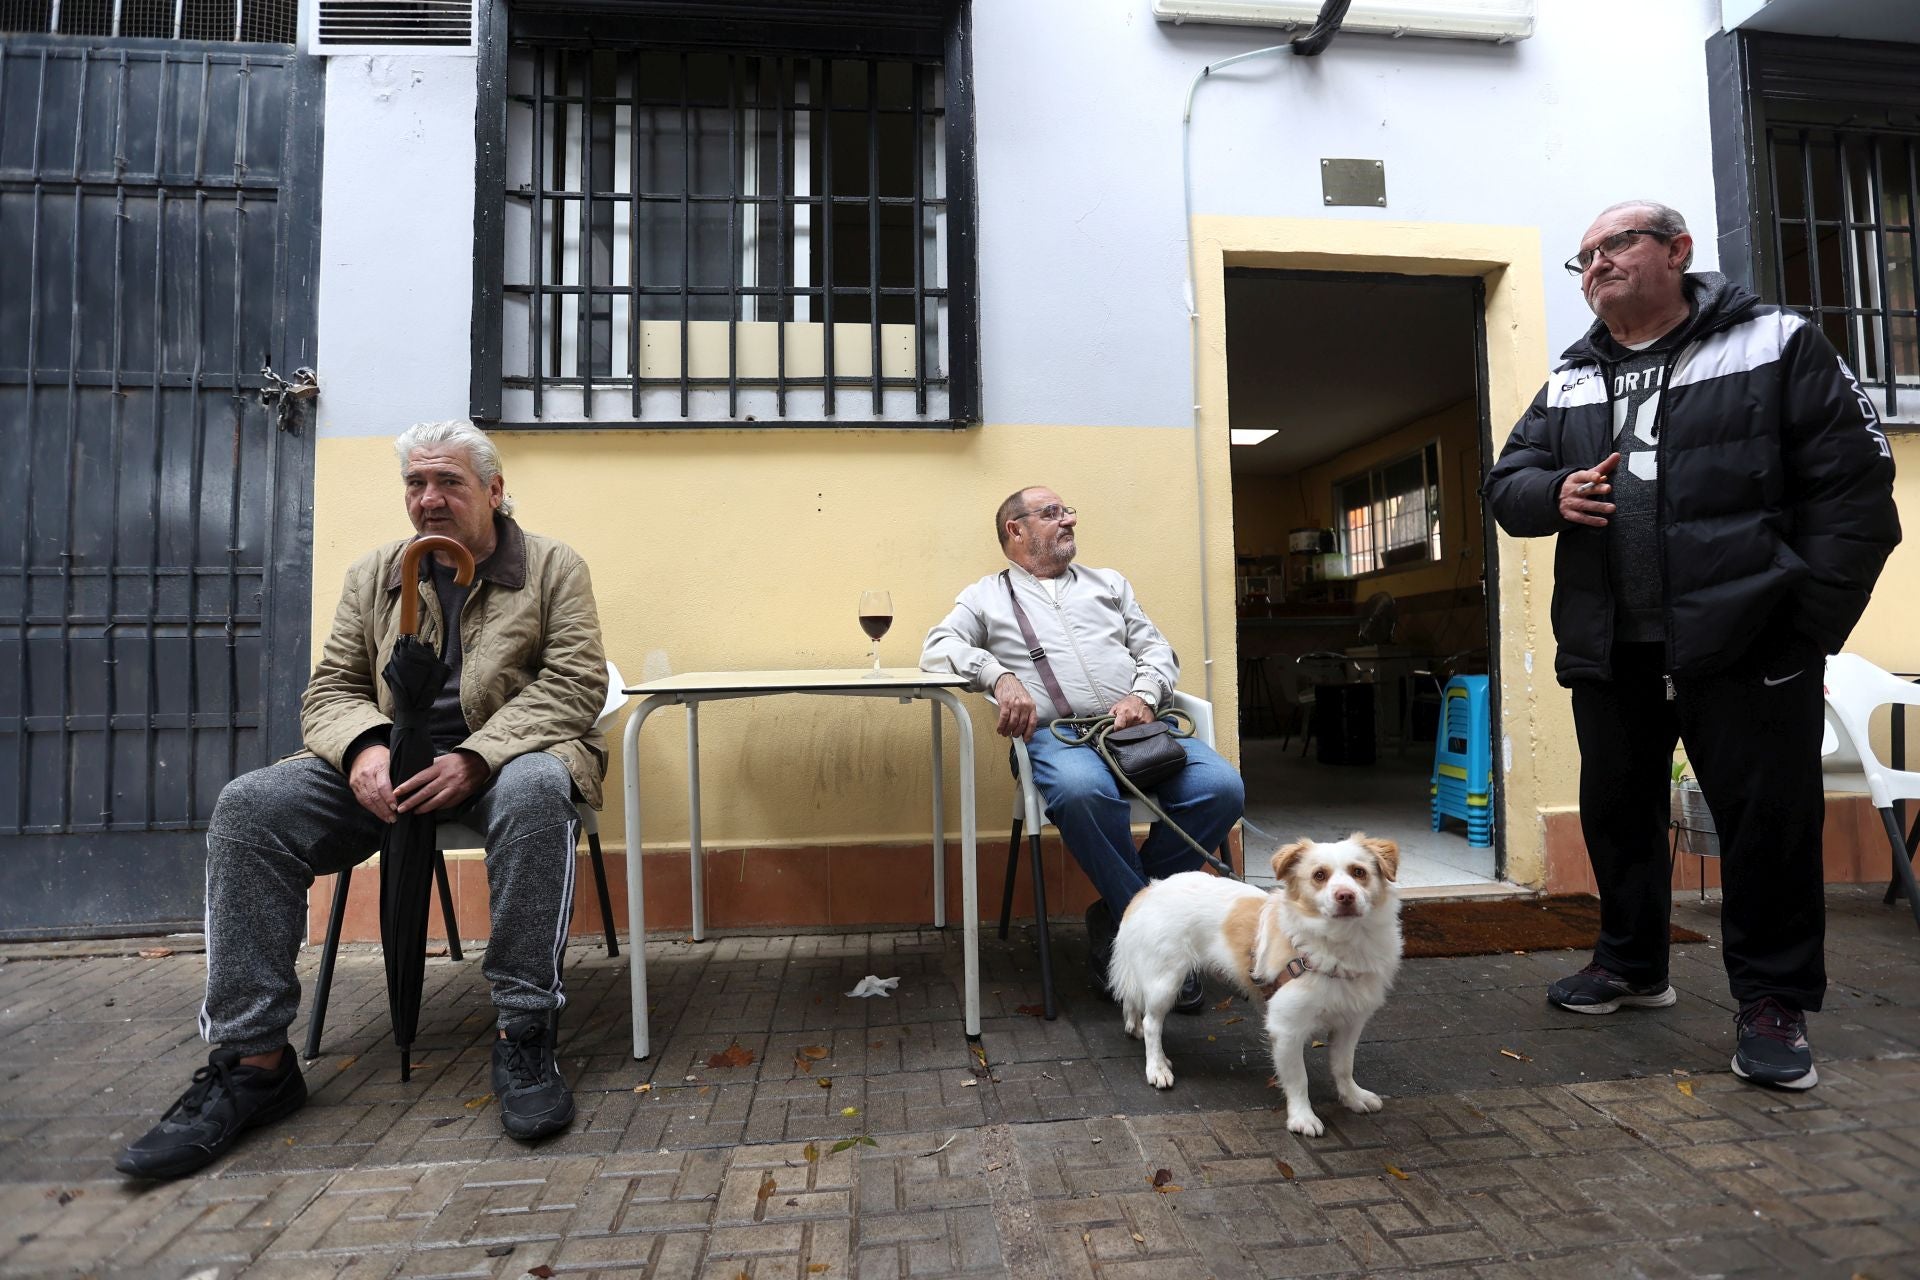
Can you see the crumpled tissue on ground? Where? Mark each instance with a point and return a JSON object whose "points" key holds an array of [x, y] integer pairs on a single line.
{"points": [[874, 986]]}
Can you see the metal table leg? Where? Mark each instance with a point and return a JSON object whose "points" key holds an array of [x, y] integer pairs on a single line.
{"points": [[969, 873], [636, 891], [939, 825], [699, 869]]}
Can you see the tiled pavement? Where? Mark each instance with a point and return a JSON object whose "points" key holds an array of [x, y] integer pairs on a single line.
{"points": [[1516, 1140]]}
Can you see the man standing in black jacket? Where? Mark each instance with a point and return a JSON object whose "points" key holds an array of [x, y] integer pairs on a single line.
{"points": [[1723, 496]]}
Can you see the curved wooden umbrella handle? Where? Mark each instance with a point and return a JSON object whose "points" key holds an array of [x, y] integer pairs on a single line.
{"points": [[410, 575]]}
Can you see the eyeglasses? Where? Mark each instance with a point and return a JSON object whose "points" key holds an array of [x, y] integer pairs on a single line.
{"points": [[1052, 513], [1613, 246]]}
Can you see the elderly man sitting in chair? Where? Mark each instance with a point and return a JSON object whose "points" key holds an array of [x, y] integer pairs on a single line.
{"points": [[515, 733], [1105, 658]]}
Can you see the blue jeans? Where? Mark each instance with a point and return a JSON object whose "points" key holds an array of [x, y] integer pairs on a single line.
{"points": [[1088, 805]]}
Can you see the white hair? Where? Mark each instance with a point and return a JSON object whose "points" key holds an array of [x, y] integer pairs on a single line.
{"points": [[456, 433], [1661, 218]]}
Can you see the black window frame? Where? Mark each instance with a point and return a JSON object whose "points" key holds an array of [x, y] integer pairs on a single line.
{"points": [[930, 32], [1821, 93]]}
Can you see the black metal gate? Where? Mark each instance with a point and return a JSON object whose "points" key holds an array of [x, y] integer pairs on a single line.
{"points": [[158, 235]]}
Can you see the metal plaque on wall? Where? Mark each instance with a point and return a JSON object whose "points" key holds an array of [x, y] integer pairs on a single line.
{"points": [[1353, 182]]}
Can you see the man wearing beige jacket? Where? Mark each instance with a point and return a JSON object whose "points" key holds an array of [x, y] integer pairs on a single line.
{"points": [[515, 734]]}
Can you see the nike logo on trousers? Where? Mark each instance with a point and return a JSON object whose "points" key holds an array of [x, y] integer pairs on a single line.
{"points": [[1782, 680]]}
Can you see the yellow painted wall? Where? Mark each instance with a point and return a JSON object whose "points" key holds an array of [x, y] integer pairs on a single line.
{"points": [[718, 550], [1536, 751]]}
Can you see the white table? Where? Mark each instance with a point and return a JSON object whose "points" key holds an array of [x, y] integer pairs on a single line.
{"points": [[694, 688]]}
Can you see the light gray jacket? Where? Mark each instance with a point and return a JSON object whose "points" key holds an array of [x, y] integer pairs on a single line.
{"points": [[1098, 641]]}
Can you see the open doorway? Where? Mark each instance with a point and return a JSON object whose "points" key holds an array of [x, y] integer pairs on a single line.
{"points": [[1363, 561]]}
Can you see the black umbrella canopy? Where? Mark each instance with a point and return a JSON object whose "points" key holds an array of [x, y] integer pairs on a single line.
{"points": [[415, 674]]}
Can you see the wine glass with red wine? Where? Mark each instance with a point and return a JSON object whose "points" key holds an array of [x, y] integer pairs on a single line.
{"points": [[876, 615]]}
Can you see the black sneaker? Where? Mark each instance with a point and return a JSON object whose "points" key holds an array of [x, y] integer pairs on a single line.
{"points": [[1101, 931], [1773, 1045], [223, 1102], [1193, 996], [534, 1100], [1599, 990]]}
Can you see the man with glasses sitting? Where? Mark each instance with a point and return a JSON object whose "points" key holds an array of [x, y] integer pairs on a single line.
{"points": [[1105, 658], [1723, 497]]}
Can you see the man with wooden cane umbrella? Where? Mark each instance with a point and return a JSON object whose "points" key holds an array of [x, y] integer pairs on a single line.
{"points": [[512, 727]]}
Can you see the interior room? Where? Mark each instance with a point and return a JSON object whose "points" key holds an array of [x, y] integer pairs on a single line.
{"points": [[1361, 567]]}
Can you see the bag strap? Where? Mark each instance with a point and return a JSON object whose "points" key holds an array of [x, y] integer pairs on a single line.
{"points": [[1039, 655]]}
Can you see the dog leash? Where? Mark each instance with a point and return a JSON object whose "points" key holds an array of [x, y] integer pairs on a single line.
{"points": [[1092, 731]]}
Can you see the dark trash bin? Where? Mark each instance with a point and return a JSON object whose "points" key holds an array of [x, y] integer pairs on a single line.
{"points": [[1343, 723]]}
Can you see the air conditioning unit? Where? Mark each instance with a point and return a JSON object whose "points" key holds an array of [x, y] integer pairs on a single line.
{"points": [[392, 26], [1497, 20]]}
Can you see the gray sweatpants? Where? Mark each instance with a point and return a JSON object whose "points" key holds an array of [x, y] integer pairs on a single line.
{"points": [[277, 828]]}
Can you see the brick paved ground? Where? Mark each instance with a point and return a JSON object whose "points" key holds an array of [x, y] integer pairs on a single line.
{"points": [[1611, 1147]]}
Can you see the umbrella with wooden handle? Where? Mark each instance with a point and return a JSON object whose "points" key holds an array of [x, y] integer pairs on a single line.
{"points": [[416, 675]]}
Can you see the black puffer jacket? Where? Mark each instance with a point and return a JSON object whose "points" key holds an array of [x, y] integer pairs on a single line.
{"points": [[1776, 487]]}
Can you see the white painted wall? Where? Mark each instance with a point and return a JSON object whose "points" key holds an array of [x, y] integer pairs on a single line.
{"points": [[1083, 315], [396, 243], [1082, 249]]}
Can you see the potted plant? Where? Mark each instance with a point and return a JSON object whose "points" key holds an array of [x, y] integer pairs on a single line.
{"points": [[1690, 817]]}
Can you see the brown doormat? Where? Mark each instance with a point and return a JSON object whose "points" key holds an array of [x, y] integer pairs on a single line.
{"points": [[1485, 927]]}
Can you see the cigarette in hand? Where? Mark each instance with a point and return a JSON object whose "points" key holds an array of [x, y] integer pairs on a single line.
{"points": [[1585, 488]]}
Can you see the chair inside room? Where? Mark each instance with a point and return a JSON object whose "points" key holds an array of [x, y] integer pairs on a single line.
{"points": [[455, 835], [1310, 671], [1855, 687], [1029, 816]]}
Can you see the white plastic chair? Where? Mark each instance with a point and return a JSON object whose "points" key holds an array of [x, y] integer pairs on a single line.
{"points": [[456, 835], [1030, 815], [1854, 688]]}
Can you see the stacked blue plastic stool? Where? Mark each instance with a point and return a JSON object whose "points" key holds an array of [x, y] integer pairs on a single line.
{"points": [[1462, 782]]}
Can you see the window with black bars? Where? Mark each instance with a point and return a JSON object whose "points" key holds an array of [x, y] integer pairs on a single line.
{"points": [[695, 236], [243, 21], [1389, 516], [1843, 247]]}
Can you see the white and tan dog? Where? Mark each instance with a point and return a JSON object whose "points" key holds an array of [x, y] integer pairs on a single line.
{"points": [[1321, 948]]}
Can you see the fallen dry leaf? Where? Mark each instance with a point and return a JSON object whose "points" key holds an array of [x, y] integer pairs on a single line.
{"points": [[1396, 1173], [643, 1088], [156, 953], [731, 1056], [812, 1052], [1086, 1237], [706, 1088], [767, 1188], [1138, 1238], [876, 1044], [1686, 1087], [1161, 1177], [1031, 1010], [811, 1152], [1286, 1170], [541, 1272], [1517, 1057], [849, 1112], [1230, 1021], [816, 1268], [1211, 1039], [474, 1104], [825, 1082], [1169, 1189], [347, 1062]]}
